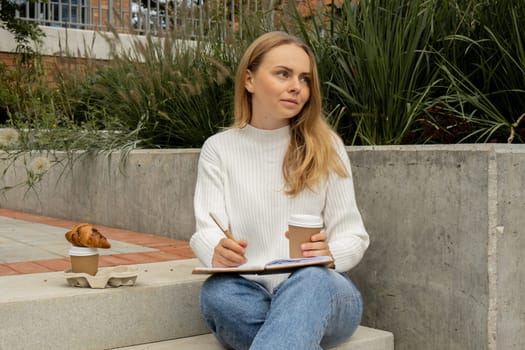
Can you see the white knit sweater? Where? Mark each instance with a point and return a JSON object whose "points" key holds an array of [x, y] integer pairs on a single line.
{"points": [[240, 179]]}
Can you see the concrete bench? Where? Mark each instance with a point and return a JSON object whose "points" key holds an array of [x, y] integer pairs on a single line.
{"points": [[364, 339], [41, 311]]}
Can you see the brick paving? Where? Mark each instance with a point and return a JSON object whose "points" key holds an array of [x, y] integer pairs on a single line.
{"points": [[158, 248]]}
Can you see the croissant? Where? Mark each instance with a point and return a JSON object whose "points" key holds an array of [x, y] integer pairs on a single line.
{"points": [[85, 235]]}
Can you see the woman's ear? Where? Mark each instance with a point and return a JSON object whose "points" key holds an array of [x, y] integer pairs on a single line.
{"points": [[248, 81]]}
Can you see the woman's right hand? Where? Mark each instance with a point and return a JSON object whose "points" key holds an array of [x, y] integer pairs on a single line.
{"points": [[229, 253]]}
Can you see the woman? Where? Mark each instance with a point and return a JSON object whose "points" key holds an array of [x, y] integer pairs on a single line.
{"points": [[279, 158]]}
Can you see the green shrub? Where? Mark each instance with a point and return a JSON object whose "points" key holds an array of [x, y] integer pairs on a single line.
{"points": [[484, 69], [407, 71]]}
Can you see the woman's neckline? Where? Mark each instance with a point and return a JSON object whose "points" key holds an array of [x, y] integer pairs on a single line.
{"points": [[282, 129], [267, 134]]}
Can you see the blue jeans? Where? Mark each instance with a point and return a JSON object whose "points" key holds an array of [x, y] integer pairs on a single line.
{"points": [[314, 308]]}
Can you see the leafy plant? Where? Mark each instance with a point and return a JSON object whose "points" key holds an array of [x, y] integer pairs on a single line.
{"points": [[170, 93], [380, 73], [392, 72], [482, 62]]}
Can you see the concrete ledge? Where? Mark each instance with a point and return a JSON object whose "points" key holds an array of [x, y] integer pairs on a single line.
{"points": [[41, 311], [364, 339], [81, 43]]}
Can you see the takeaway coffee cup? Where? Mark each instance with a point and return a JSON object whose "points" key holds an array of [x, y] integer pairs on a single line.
{"points": [[84, 260], [301, 227]]}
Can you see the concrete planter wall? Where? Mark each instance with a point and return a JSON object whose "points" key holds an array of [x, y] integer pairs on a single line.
{"points": [[444, 269], [152, 192]]}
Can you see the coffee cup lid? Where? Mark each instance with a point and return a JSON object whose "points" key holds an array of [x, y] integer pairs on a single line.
{"points": [[82, 251], [305, 220]]}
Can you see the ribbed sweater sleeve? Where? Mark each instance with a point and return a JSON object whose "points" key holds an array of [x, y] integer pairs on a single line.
{"points": [[347, 236], [240, 179]]}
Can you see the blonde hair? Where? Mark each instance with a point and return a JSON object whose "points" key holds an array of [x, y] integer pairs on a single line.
{"points": [[311, 153]]}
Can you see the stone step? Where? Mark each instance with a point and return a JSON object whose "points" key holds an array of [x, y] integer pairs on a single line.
{"points": [[364, 339], [42, 311]]}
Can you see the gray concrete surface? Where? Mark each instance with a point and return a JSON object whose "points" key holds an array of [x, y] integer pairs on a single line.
{"points": [[507, 270], [364, 338], [444, 269], [161, 311], [78, 42], [26, 241], [41, 311]]}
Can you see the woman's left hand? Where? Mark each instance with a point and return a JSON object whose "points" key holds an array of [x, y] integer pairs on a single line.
{"points": [[317, 247]]}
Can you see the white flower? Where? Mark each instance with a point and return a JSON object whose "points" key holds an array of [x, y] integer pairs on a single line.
{"points": [[8, 136], [39, 165]]}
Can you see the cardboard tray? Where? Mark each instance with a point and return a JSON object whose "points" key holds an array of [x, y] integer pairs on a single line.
{"points": [[106, 277]]}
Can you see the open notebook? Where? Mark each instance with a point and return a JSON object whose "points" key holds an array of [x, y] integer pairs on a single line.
{"points": [[274, 266]]}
